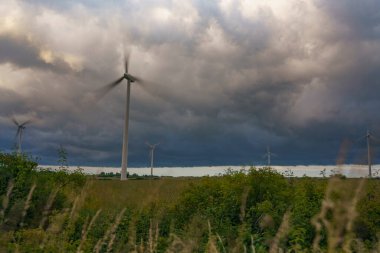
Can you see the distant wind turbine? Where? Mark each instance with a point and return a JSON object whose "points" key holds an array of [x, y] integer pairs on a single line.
{"points": [[130, 79], [269, 155], [369, 137], [19, 134], [151, 152]]}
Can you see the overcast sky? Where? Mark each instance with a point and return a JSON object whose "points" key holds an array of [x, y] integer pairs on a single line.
{"points": [[225, 79]]}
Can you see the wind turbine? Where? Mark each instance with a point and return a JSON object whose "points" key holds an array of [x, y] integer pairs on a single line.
{"points": [[368, 137], [130, 79], [269, 154], [151, 151], [20, 130]]}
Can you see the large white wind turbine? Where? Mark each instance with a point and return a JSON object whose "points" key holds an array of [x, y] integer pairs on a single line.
{"points": [[130, 79]]}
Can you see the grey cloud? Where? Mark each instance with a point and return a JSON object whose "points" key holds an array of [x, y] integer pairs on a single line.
{"points": [[22, 53], [19, 52]]}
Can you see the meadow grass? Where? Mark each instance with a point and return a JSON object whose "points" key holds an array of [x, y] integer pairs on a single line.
{"points": [[115, 194], [255, 211]]}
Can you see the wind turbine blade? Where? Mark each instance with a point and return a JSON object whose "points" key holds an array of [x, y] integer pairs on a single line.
{"points": [[15, 121], [154, 89], [27, 122], [361, 138], [104, 90], [126, 61], [137, 79], [375, 139]]}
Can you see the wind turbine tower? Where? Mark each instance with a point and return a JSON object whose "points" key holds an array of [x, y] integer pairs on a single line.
{"points": [[151, 152], [368, 137]]}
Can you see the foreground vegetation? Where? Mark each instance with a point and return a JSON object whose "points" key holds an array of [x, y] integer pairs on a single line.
{"points": [[258, 210]]}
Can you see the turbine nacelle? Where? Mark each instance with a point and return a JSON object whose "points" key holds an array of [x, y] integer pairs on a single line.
{"points": [[129, 78]]}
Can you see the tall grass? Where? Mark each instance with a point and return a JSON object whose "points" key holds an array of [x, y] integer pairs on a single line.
{"points": [[5, 201]]}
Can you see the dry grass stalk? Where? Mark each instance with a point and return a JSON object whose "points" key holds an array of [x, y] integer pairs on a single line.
{"points": [[319, 220], [150, 240], [132, 234], [326, 205], [351, 216], [55, 227], [80, 198], [253, 249], [243, 205], [110, 233], [27, 204], [47, 207], [98, 245], [337, 215], [178, 245], [157, 233], [211, 244], [281, 233], [142, 248], [86, 229], [221, 242], [153, 237], [73, 208], [6, 200]]}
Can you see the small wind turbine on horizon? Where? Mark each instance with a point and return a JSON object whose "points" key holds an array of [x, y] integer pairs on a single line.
{"points": [[20, 131], [130, 79], [369, 137], [151, 152], [269, 155]]}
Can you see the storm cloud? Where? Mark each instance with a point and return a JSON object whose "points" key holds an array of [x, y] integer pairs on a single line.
{"points": [[223, 79]]}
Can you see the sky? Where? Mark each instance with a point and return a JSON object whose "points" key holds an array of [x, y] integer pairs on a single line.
{"points": [[223, 80]]}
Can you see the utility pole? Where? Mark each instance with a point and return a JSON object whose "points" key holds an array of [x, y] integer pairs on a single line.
{"points": [[151, 148]]}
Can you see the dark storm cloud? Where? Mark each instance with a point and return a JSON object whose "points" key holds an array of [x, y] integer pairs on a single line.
{"points": [[222, 79], [22, 53], [19, 52]]}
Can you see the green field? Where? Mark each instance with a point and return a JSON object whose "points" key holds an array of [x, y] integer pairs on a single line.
{"points": [[255, 211], [115, 194]]}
